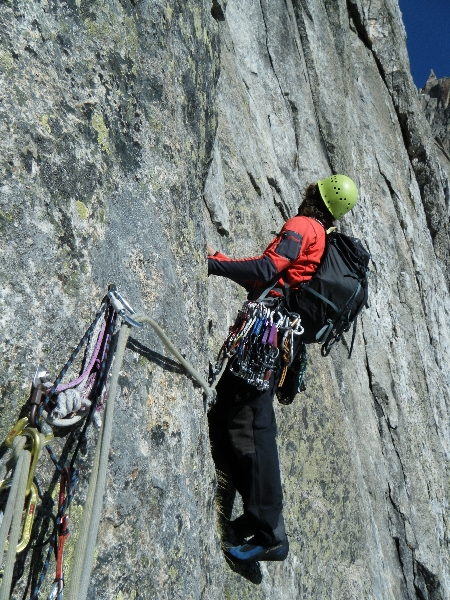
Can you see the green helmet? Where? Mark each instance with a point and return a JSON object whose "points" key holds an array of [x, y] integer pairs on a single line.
{"points": [[339, 194]]}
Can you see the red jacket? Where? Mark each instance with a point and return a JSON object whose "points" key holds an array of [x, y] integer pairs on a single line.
{"points": [[294, 255]]}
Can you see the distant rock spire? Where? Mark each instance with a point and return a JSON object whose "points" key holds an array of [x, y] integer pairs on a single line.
{"points": [[431, 81], [435, 99]]}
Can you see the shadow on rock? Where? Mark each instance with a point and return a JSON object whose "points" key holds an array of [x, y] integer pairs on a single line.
{"points": [[159, 359], [252, 572]]}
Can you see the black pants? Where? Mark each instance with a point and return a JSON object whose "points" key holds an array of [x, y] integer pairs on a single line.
{"points": [[243, 429]]}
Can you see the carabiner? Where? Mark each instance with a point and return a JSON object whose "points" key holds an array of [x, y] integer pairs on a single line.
{"points": [[15, 431], [33, 434], [41, 375], [120, 306], [53, 594], [29, 510], [31, 494]]}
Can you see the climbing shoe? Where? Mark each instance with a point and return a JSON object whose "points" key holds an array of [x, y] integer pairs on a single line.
{"points": [[234, 533], [250, 552]]}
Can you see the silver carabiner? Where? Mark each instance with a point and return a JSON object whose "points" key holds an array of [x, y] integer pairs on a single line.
{"points": [[120, 305], [53, 591]]}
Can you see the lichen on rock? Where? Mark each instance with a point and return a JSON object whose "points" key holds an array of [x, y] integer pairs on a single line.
{"points": [[133, 132]]}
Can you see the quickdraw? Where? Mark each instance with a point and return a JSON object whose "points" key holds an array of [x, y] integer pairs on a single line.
{"points": [[252, 345], [93, 379], [50, 405], [121, 307], [291, 327], [34, 445], [67, 484], [36, 433]]}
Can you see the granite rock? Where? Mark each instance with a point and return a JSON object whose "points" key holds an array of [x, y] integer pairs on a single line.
{"points": [[133, 132], [435, 99]]}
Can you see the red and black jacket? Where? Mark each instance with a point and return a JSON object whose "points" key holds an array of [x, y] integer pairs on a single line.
{"points": [[294, 255]]}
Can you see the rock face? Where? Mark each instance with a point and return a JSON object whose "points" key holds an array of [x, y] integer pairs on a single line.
{"points": [[135, 131], [435, 100]]}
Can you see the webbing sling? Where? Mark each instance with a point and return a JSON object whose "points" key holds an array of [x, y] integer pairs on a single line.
{"points": [[272, 286]]}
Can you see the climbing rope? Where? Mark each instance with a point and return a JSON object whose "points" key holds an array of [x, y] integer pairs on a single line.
{"points": [[209, 391], [14, 534], [27, 444], [71, 472], [114, 305], [9, 509], [12, 519], [87, 536], [84, 550]]}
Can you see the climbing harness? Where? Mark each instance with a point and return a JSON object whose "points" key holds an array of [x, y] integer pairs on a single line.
{"points": [[62, 405], [252, 346]]}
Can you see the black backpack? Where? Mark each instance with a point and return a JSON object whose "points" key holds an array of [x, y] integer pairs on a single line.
{"points": [[333, 298]]}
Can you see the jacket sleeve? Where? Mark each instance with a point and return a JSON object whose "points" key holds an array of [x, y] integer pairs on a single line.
{"points": [[278, 255]]}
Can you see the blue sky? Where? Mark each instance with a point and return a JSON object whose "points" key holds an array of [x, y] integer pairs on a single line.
{"points": [[427, 24]]}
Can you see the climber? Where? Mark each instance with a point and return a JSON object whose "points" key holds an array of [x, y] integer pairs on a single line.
{"points": [[242, 422]]}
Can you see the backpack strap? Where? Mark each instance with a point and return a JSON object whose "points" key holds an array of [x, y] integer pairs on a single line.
{"points": [[286, 291], [322, 335], [267, 290], [333, 306], [354, 325], [287, 294], [353, 336]]}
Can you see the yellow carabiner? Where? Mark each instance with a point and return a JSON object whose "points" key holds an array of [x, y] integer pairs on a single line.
{"points": [[29, 510], [31, 494], [16, 430], [35, 450]]}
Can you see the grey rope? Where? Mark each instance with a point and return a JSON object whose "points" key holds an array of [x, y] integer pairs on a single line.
{"points": [[85, 546], [18, 445], [221, 372], [209, 391], [84, 550], [64, 422], [22, 468], [84, 532]]}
